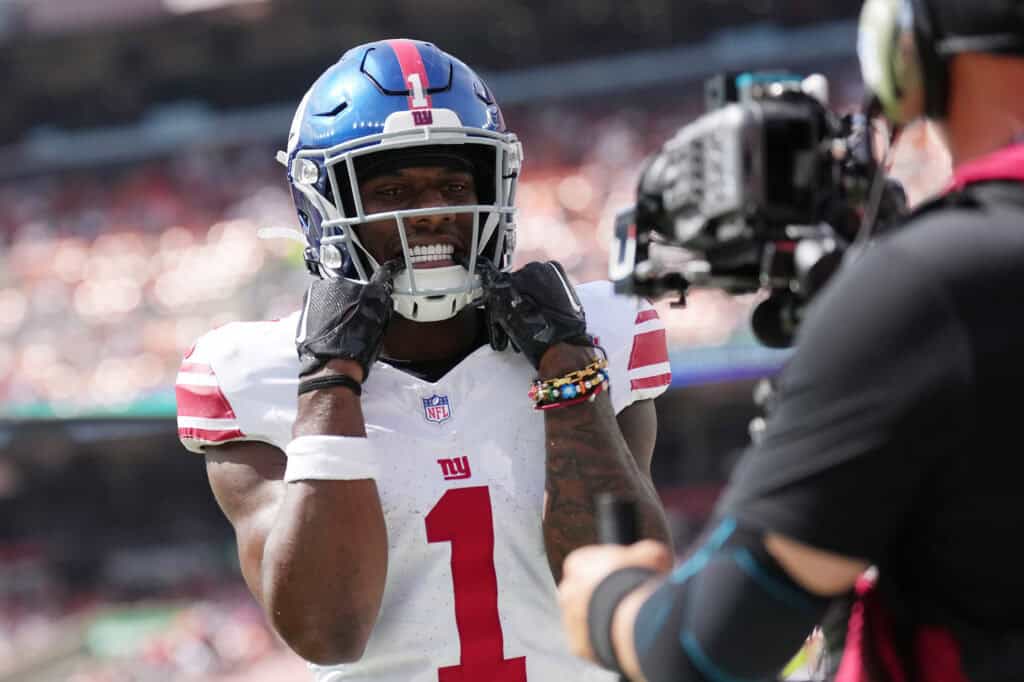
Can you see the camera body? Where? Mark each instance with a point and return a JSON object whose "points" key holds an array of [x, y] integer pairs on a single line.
{"points": [[765, 191]]}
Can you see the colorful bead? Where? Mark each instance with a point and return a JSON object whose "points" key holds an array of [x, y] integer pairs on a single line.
{"points": [[570, 388]]}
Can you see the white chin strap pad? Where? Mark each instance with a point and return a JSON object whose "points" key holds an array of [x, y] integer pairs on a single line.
{"points": [[426, 307]]}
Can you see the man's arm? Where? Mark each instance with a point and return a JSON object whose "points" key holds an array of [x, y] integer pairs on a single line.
{"points": [[820, 573], [590, 452], [739, 606], [309, 524], [246, 479], [587, 452], [314, 553]]}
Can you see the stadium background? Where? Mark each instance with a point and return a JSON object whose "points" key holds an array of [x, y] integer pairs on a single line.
{"points": [[136, 170]]}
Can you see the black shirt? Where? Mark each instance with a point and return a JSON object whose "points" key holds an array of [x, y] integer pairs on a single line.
{"points": [[896, 436]]}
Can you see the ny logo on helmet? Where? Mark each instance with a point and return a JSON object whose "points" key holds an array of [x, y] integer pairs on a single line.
{"points": [[423, 117]]}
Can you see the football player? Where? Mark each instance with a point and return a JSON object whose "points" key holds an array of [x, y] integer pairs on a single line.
{"points": [[407, 516]]}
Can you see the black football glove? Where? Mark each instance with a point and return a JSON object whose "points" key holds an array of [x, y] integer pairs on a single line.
{"points": [[535, 306], [345, 320]]}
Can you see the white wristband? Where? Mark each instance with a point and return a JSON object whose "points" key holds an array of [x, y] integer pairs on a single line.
{"points": [[330, 458]]}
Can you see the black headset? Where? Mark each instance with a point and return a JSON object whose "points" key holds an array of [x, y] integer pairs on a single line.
{"points": [[934, 68], [905, 58]]}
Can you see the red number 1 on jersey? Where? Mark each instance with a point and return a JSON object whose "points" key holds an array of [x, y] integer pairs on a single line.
{"points": [[463, 517]]}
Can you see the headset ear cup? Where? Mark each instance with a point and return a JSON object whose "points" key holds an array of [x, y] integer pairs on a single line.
{"points": [[888, 55], [936, 90]]}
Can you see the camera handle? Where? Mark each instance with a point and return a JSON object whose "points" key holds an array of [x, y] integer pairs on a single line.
{"points": [[616, 520]]}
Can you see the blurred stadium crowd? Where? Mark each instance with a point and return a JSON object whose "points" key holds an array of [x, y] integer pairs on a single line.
{"points": [[108, 273], [205, 630], [107, 276], [121, 574]]}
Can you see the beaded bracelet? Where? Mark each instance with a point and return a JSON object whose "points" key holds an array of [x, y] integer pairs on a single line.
{"points": [[572, 388]]}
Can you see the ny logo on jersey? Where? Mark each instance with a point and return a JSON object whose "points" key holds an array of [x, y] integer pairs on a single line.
{"points": [[423, 117], [455, 468], [436, 408]]}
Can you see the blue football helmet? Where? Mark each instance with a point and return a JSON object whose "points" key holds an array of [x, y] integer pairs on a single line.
{"points": [[401, 100]]}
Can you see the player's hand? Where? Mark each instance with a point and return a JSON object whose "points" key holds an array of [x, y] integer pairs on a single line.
{"points": [[585, 568], [345, 320], [535, 306]]}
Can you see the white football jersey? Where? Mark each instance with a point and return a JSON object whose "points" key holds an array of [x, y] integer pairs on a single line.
{"points": [[469, 595]]}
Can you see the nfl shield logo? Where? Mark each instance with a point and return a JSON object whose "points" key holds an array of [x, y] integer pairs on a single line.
{"points": [[436, 408]]}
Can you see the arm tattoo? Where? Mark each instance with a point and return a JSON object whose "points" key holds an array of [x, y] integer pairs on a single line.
{"points": [[586, 456]]}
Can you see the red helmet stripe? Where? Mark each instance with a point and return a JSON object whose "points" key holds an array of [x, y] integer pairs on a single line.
{"points": [[414, 73]]}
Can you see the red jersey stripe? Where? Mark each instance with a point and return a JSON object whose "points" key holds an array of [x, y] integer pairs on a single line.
{"points": [[203, 401], [208, 435], [644, 315], [650, 382], [649, 348], [414, 73]]}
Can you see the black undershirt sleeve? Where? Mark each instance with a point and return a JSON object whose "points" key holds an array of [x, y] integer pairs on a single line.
{"points": [[728, 613], [876, 394]]}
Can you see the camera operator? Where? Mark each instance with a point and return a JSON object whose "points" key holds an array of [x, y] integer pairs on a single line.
{"points": [[893, 441]]}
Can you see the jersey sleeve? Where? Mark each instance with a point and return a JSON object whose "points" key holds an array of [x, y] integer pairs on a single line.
{"points": [[238, 383], [205, 415], [876, 394], [633, 336], [648, 368]]}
